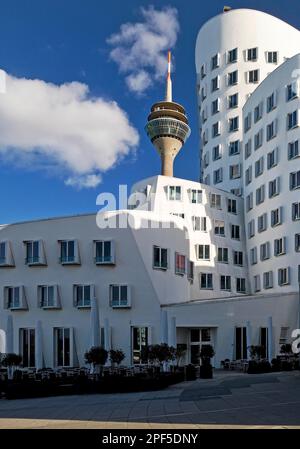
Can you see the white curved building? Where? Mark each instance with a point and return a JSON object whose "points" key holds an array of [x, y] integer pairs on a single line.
{"points": [[272, 180], [235, 51]]}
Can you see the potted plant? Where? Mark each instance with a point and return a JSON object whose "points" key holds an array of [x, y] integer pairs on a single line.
{"points": [[11, 361], [180, 352], [116, 356], [160, 354], [206, 354], [96, 357], [286, 350]]}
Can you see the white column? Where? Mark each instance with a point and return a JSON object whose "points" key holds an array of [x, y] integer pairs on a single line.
{"points": [[249, 337], [107, 336], [94, 323], [270, 338], [164, 326], [9, 338], [38, 345], [172, 333]]}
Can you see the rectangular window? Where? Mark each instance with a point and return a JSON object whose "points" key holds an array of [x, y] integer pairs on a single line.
{"points": [[271, 102], [232, 78], [248, 175], [225, 283], [203, 71], [274, 187], [234, 148], [47, 295], [233, 124], [219, 227], [272, 57], [215, 106], [272, 158], [140, 340], [268, 279], [235, 232], [253, 256], [258, 140], [83, 295], [241, 343], [180, 264], [293, 150], [295, 180], [12, 295], [222, 255], [292, 120], [247, 122], [27, 346], [32, 252], [252, 54], [276, 217], [253, 76], [231, 206], [271, 130], [297, 243], [190, 270], [265, 251], [215, 83], [215, 201], [104, 252], [279, 246], [233, 101], [3, 253], [259, 166], [119, 296], [248, 148], [232, 55], [62, 342], [160, 258], [69, 252], [203, 252], [283, 276], [292, 91], [241, 285], [251, 228], [262, 222], [235, 171], [218, 175], [199, 223], [195, 196], [249, 202], [238, 258], [257, 286], [206, 281], [295, 211], [215, 61], [216, 129], [174, 193], [216, 152]]}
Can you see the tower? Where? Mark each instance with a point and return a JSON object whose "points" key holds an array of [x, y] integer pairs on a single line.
{"points": [[167, 127]]}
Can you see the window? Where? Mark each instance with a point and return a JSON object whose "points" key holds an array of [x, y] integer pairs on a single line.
{"points": [[222, 255], [232, 55], [233, 124], [48, 296], [215, 201], [82, 295], [233, 101], [219, 228], [241, 285], [3, 253], [272, 158], [225, 283], [215, 61], [257, 286], [262, 222], [206, 160], [215, 106], [174, 193], [268, 279], [253, 256], [216, 129], [272, 57], [237, 192], [265, 251], [232, 78], [203, 92], [119, 296], [34, 253], [249, 202], [234, 147], [251, 228], [160, 258], [206, 281], [258, 112], [295, 211], [240, 343], [195, 196], [283, 276], [140, 340], [180, 264], [293, 150], [292, 91], [283, 335], [231, 206], [248, 148], [69, 252], [203, 71], [247, 122], [235, 171], [271, 102], [62, 348], [252, 54], [253, 76], [258, 139], [235, 232], [104, 252], [295, 180], [215, 83], [190, 270], [279, 246], [297, 243], [27, 347], [238, 258], [14, 298], [259, 166], [292, 120], [218, 175], [204, 114], [274, 187], [248, 175], [271, 130], [6, 256], [216, 152], [199, 223], [276, 216], [203, 252], [204, 138]]}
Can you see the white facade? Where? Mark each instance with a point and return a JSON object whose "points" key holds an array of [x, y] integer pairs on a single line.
{"points": [[235, 51], [179, 265]]}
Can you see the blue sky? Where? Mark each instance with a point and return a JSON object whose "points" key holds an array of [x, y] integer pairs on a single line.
{"points": [[63, 41]]}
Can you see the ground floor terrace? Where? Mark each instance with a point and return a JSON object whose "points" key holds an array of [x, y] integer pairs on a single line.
{"points": [[228, 400]]}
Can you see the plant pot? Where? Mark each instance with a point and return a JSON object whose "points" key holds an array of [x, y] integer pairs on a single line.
{"points": [[206, 372]]}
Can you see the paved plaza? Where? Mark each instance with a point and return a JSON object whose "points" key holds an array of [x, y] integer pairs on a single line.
{"points": [[229, 400]]}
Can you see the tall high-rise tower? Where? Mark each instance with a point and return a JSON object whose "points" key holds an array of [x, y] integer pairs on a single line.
{"points": [[167, 127]]}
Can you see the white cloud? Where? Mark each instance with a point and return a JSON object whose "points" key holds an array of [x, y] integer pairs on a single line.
{"points": [[84, 182], [63, 127], [140, 48]]}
